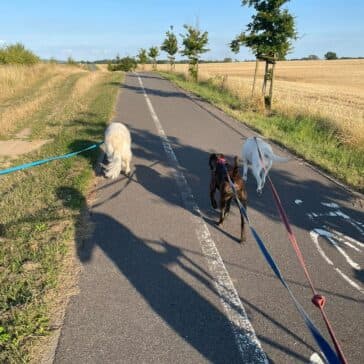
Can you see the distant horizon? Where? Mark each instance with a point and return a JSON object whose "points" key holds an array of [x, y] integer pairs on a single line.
{"points": [[182, 60], [93, 30], [202, 60]]}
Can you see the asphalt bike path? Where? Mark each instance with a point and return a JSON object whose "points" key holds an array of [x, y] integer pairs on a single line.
{"points": [[162, 283]]}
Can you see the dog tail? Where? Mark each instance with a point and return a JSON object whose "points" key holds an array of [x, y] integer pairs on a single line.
{"points": [[113, 169], [277, 158]]}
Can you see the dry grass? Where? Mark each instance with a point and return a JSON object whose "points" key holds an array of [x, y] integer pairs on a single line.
{"points": [[102, 67], [17, 78], [329, 90], [84, 83], [29, 88]]}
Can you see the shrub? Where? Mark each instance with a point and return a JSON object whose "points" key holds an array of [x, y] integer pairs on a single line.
{"points": [[125, 64], [17, 54]]}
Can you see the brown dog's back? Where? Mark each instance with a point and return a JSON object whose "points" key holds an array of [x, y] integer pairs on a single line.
{"points": [[219, 180]]}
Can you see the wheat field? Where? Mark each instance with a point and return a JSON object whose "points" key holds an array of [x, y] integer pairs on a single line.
{"points": [[332, 91]]}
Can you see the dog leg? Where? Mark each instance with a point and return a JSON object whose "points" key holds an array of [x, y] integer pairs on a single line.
{"points": [[265, 172], [243, 201], [242, 231], [212, 193], [245, 170], [256, 172], [127, 167], [228, 204], [222, 211]]}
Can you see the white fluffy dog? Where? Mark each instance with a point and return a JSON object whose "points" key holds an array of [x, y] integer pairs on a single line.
{"points": [[118, 149], [251, 159]]}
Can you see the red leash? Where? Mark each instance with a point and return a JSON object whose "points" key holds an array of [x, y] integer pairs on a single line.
{"points": [[318, 300]]}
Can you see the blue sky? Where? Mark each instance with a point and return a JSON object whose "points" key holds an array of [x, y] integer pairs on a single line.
{"points": [[100, 29]]}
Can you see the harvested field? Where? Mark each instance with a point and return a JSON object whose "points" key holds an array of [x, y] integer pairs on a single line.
{"points": [[332, 91]]}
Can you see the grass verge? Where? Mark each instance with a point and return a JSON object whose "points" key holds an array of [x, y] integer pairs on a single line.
{"points": [[313, 139], [40, 208]]}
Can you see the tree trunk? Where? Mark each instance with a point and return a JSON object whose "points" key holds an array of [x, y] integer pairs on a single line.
{"points": [[265, 78], [197, 70], [255, 75], [271, 87]]}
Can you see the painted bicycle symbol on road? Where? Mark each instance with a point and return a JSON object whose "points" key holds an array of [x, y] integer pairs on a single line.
{"points": [[349, 248]]}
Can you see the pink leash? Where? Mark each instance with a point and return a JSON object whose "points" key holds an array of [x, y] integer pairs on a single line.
{"points": [[317, 299]]}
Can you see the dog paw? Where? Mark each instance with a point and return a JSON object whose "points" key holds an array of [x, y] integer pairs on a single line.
{"points": [[259, 192]]}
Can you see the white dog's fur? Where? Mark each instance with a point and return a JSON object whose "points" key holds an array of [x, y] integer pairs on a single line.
{"points": [[251, 159], [118, 149]]}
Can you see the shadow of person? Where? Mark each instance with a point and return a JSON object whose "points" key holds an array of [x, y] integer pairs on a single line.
{"points": [[158, 184], [146, 265]]}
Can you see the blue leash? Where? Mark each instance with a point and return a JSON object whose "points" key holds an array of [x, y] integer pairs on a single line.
{"points": [[43, 161], [325, 347]]}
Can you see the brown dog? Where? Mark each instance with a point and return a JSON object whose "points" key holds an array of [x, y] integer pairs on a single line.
{"points": [[219, 180]]}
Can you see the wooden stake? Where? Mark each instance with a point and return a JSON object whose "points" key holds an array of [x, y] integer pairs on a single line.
{"points": [[255, 75], [271, 87]]}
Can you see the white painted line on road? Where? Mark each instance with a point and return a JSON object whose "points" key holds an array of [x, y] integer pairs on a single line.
{"points": [[330, 204], [347, 240], [316, 359], [245, 337], [329, 236], [350, 281], [315, 234]]}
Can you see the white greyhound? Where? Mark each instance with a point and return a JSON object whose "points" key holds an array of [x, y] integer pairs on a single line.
{"points": [[251, 159]]}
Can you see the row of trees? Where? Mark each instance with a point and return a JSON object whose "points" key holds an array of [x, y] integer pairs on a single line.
{"points": [[268, 35], [194, 44]]}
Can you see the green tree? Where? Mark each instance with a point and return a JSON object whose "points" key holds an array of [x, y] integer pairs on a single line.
{"points": [[71, 61], [17, 54], [142, 57], [330, 55], [125, 64], [153, 54], [269, 35], [194, 42], [170, 46]]}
